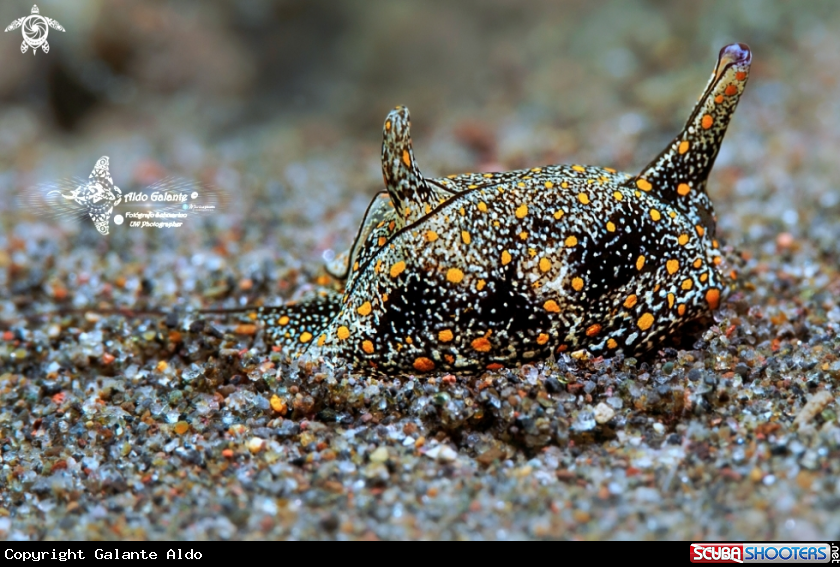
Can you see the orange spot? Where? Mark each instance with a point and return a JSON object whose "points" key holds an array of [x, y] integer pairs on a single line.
{"points": [[593, 330], [671, 300], [384, 297], [611, 343], [382, 240], [630, 302], [481, 345], [562, 348], [719, 98], [549, 184], [672, 266], [482, 206], [445, 336], [545, 264], [378, 267], [523, 235], [740, 75], [687, 284], [542, 339], [655, 215], [640, 263], [397, 269], [683, 189], [506, 258], [449, 358], [704, 277], [521, 211], [406, 158], [697, 263], [305, 337], [683, 239], [571, 241], [713, 298], [494, 366], [683, 147], [611, 170], [551, 306], [558, 214], [387, 124], [643, 184], [610, 226], [577, 284], [715, 244], [423, 364], [431, 235], [454, 275], [364, 309], [583, 198], [367, 346], [707, 121], [717, 261], [579, 168], [700, 230], [283, 320], [480, 285], [618, 196], [321, 340], [342, 333], [730, 90], [645, 321], [681, 309]]}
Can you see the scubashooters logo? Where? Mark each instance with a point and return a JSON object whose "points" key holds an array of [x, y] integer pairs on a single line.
{"points": [[763, 553], [165, 204]]}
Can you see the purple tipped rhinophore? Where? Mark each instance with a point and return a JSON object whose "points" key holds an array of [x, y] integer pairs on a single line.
{"points": [[737, 53]]}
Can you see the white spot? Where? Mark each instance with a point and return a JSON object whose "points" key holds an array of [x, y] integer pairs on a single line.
{"points": [[790, 217]]}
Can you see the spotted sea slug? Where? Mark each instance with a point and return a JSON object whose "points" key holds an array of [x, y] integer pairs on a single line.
{"points": [[484, 270]]}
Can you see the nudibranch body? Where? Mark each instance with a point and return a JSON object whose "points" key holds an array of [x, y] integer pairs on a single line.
{"points": [[479, 271]]}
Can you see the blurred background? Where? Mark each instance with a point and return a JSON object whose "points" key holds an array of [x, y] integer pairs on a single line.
{"points": [[280, 104]]}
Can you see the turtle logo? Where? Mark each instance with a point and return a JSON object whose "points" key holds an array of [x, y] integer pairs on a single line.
{"points": [[35, 30], [98, 196]]}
